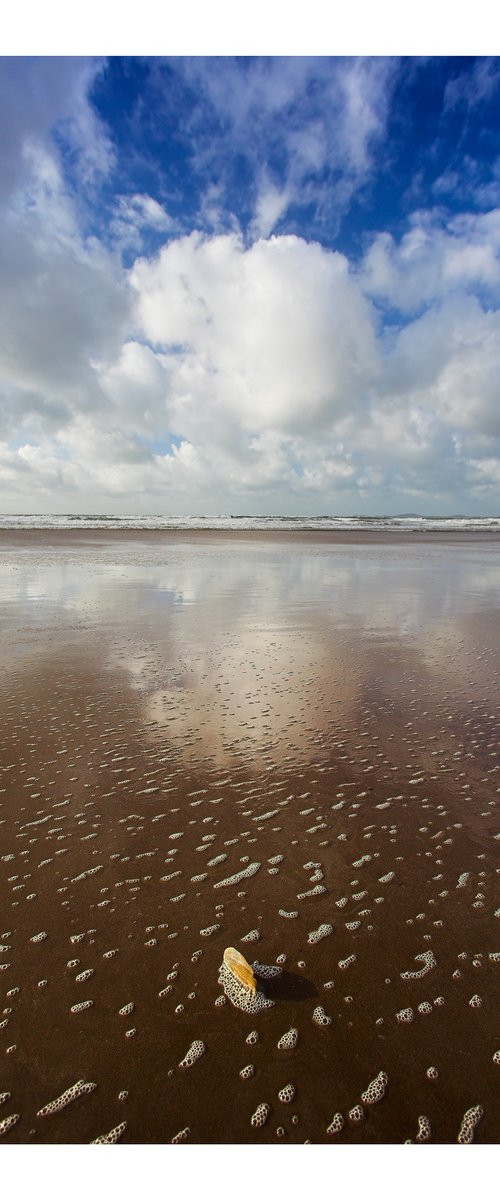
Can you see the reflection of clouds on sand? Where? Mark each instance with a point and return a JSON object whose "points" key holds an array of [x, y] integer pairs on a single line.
{"points": [[267, 688], [234, 645]]}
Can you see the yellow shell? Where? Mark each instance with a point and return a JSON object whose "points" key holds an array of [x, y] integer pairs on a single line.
{"points": [[240, 968]]}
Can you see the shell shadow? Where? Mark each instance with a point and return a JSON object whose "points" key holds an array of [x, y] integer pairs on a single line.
{"points": [[288, 986]]}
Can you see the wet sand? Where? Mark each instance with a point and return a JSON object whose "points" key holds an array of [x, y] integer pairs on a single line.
{"points": [[176, 708]]}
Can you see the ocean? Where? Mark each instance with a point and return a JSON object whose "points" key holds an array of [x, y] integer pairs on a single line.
{"points": [[409, 523]]}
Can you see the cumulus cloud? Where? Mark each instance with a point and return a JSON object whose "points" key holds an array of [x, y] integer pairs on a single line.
{"points": [[276, 335], [261, 375], [436, 256]]}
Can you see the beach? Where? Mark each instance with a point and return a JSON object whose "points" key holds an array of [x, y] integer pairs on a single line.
{"points": [[286, 743]]}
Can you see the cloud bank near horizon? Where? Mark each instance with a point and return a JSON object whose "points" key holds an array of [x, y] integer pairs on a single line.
{"points": [[212, 305]]}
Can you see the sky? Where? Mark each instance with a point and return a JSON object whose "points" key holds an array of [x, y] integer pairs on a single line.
{"points": [[243, 284]]}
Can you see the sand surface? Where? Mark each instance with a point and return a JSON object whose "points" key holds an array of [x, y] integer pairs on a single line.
{"points": [[176, 708]]}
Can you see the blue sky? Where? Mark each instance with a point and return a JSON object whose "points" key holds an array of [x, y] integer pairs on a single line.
{"points": [[260, 284]]}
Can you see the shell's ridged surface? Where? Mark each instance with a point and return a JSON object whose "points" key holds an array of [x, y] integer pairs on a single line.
{"points": [[240, 968]]}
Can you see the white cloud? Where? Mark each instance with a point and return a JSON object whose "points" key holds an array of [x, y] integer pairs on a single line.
{"points": [[275, 336], [434, 258]]}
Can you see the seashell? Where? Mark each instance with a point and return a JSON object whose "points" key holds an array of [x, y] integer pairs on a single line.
{"points": [[240, 968]]}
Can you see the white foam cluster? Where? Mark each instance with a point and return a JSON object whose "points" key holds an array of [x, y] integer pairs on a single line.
{"points": [[287, 1093], [260, 1115], [496, 1058], [165, 990], [8, 1123], [386, 878], [209, 930], [475, 1001], [84, 975], [199, 878], [252, 1038], [289, 915], [180, 1137], [360, 861], [214, 862], [320, 1017], [245, 874], [352, 924], [76, 1008], [132, 1032], [85, 874], [376, 1089], [114, 1135], [439, 1001], [110, 953], [81, 1088], [357, 1113], [315, 891], [425, 1007], [4, 1096], [253, 936], [336, 1124], [432, 1073], [38, 937], [404, 1016], [424, 1130], [429, 962], [196, 1050], [239, 995], [346, 962], [318, 934], [317, 877], [342, 902], [220, 1001], [277, 858], [469, 1121], [127, 1008], [463, 879], [263, 971], [247, 1072], [494, 956], [289, 1040]]}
